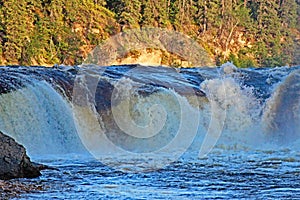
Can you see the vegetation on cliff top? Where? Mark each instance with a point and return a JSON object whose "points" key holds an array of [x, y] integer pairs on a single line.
{"points": [[249, 33]]}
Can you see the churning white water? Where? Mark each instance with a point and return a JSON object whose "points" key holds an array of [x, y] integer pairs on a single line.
{"points": [[189, 133], [39, 118]]}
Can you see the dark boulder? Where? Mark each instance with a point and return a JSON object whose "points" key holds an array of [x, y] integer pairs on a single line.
{"points": [[14, 162]]}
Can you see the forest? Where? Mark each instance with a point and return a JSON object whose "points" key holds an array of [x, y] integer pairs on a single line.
{"points": [[258, 33]]}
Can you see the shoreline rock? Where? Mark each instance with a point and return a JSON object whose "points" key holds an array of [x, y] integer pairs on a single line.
{"points": [[14, 162], [14, 188]]}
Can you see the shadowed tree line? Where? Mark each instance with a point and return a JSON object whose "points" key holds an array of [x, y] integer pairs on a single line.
{"points": [[249, 33]]}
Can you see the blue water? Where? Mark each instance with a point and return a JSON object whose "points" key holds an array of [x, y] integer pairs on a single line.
{"points": [[251, 115], [224, 174]]}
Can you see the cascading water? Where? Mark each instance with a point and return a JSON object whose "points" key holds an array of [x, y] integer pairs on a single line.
{"points": [[282, 113], [134, 118], [237, 101], [34, 111], [40, 118]]}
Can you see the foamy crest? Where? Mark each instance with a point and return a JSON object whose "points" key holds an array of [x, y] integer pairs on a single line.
{"points": [[139, 125]]}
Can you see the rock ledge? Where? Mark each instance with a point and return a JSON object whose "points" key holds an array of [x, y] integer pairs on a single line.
{"points": [[14, 162]]}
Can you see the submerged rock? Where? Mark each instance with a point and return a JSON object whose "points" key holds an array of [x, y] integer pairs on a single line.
{"points": [[14, 162]]}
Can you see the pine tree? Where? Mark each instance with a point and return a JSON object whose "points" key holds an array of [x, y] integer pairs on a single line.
{"points": [[127, 12], [161, 13], [288, 13], [147, 13], [174, 13], [18, 25], [269, 33], [214, 14], [288, 16], [200, 15], [61, 31]]}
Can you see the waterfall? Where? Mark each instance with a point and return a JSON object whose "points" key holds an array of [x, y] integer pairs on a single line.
{"points": [[144, 111], [38, 117]]}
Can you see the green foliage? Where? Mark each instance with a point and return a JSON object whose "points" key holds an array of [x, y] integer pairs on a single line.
{"points": [[147, 13], [174, 13], [48, 32], [214, 13], [16, 31], [272, 35], [288, 13], [248, 33], [127, 12], [240, 62]]}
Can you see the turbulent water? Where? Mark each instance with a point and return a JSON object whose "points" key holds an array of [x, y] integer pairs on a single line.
{"points": [[136, 132]]}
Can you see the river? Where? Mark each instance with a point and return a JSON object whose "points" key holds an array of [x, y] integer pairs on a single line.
{"points": [[139, 132]]}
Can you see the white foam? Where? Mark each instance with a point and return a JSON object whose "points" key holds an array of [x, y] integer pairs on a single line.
{"points": [[39, 118]]}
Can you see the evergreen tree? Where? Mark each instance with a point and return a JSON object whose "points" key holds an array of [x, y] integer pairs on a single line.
{"points": [[161, 13], [269, 30], [288, 16], [154, 13], [214, 14], [127, 12], [200, 15], [288, 13], [18, 25], [147, 13], [262, 32], [174, 13]]}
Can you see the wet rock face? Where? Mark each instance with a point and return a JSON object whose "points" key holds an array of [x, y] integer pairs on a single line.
{"points": [[14, 162]]}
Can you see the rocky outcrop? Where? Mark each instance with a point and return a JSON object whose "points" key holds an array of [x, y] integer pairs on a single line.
{"points": [[14, 162]]}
